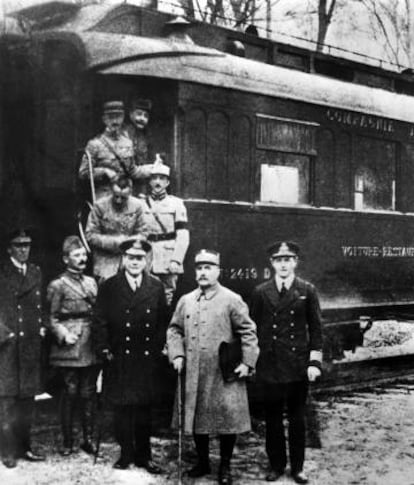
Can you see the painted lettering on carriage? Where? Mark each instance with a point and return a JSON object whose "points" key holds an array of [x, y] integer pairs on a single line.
{"points": [[247, 273], [359, 120], [377, 251]]}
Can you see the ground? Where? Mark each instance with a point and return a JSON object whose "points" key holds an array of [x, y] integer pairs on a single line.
{"points": [[367, 438]]}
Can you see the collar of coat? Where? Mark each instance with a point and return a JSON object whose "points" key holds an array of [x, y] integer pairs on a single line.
{"points": [[209, 293], [15, 281], [297, 290], [132, 298]]}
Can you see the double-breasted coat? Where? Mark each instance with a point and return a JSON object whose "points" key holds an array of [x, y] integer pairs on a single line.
{"points": [[200, 323], [288, 329], [132, 326], [20, 324]]}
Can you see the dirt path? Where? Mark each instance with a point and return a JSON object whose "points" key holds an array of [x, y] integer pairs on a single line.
{"points": [[367, 439]]}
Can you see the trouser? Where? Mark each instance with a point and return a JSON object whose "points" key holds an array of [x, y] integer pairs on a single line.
{"points": [[293, 396], [15, 423], [133, 432], [169, 281], [227, 442], [79, 383]]}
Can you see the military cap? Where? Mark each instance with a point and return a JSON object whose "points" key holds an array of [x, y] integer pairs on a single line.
{"points": [[113, 107], [135, 246], [141, 103], [70, 243], [159, 168], [19, 236], [283, 248], [207, 256]]}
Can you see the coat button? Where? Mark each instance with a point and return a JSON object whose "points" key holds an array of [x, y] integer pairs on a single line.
{"points": [[274, 337], [37, 293], [127, 339], [21, 334], [275, 326], [146, 352], [292, 312], [147, 325], [127, 311], [147, 339], [148, 310], [127, 351], [292, 324], [292, 336], [39, 320], [293, 348], [38, 307], [127, 324], [19, 307]]}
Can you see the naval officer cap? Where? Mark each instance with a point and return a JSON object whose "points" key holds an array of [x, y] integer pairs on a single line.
{"points": [[283, 248], [207, 256], [19, 236], [135, 246], [116, 107]]}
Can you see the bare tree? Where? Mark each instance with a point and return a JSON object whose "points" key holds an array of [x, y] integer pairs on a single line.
{"points": [[325, 12]]}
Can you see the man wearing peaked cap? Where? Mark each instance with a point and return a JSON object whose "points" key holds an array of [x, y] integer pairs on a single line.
{"points": [[203, 319], [287, 313], [167, 223], [110, 154], [21, 331], [72, 298], [129, 332], [137, 131]]}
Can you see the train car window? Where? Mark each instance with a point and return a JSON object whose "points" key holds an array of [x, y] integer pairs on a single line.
{"points": [[374, 174]]}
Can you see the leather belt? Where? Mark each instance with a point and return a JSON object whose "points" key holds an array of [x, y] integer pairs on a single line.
{"points": [[162, 237]]}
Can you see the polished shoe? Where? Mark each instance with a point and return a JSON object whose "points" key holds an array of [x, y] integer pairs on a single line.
{"points": [[199, 470], [274, 475], [224, 475], [150, 466], [30, 456], [9, 462], [122, 463], [300, 477], [88, 447]]}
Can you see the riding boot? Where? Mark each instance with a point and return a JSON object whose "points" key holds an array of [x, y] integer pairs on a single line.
{"points": [[66, 416], [8, 445], [87, 425]]}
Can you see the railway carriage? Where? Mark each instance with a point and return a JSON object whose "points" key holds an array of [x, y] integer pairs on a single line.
{"points": [[259, 152]]}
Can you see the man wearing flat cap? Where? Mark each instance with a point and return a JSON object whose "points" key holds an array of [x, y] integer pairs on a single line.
{"points": [[287, 313], [110, 154], [167, 224], [72, 298], [21, 332], [129, 333], [203, 319]]}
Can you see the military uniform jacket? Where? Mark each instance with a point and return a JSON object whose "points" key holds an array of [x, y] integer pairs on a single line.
{"points": [[115, 154], [143, 153], [199, 325], [132, 325], [288, 329], [21, 316], [107, 228], [71, 299], [171, 239]]}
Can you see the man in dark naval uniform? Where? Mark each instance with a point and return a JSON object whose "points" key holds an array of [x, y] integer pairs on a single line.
{"points": [[286, 311], [21, 332], [129, 332]]}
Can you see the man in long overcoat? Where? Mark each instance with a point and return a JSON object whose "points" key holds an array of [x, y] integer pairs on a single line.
{"points": [[287, 313], [203, 319], [21, 333], [129, 332]]}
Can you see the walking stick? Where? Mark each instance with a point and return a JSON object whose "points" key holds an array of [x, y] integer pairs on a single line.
{"points": [[101, 407], [93, 196], [180, 430]]}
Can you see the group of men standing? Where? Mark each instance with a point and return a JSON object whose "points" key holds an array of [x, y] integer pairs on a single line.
{"points": [[121, 321]]}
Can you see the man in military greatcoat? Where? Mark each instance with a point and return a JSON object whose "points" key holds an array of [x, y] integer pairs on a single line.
{"points": [[72, 298], [113, 219], [129, 332], [287, 313], [111, 153], [166, 217], [136, 130], [21, 332], [203, 319]]}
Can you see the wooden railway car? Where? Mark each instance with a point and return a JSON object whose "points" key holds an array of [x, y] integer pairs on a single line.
{"points": [[258, 151]]}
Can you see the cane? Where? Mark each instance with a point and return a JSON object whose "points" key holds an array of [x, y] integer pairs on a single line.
{"points": [[180, 430]]}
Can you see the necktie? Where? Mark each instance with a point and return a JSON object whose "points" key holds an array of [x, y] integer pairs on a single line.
{"points": [[283, 290]]}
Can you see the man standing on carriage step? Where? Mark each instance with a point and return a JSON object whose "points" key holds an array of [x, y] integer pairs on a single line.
{"points": [[166, 218], [287, 313], [21, 333], [203, 319], [112, 220], [129, 333], [136, 130], [111, 153], [72, 298]]}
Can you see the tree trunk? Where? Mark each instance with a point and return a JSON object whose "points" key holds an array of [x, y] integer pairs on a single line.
{"points": [[324, 19]]}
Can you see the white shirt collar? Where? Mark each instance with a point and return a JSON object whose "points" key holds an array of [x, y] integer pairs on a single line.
{"points": [[287, 282], [133, 282], [20, 266]]}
